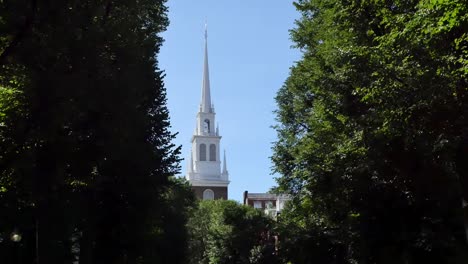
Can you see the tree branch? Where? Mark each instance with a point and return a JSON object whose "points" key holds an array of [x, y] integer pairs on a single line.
{"points": [[21, 33]]}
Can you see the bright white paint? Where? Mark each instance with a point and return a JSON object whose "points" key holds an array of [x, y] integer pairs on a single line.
{"points": [[206, 171]]}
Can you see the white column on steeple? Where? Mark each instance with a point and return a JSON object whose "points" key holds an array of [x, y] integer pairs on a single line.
{"points": [[191, 162], [206, 96], [189, 165]]}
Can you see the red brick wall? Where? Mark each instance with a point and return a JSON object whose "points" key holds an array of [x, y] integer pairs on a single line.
{"points": [[219, 192]]}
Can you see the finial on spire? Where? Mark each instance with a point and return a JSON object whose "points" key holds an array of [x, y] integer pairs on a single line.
{"points": [[206, 30]]}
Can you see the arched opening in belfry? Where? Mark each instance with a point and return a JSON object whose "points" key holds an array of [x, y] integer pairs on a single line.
{"points": [[202, 152], [206, 126], [212, 152]]}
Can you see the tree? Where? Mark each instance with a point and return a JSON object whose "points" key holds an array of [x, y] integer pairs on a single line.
{"points": [[372, 128], [85, 147], [225, 232], [173, 241]]}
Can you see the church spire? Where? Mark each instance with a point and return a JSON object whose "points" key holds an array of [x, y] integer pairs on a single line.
{"points": [[206, 96], [206, 173]]}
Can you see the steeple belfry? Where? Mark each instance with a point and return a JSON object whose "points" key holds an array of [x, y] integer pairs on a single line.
{"points": [[206, 96], [204, 169]]}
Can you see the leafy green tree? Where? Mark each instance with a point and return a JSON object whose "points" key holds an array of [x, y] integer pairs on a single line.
{"points": [[372, 131], [86, 155], [225, 232]]}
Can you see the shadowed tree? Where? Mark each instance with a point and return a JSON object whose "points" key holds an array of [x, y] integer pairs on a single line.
{"points": [[85, 148], [372, 131]]}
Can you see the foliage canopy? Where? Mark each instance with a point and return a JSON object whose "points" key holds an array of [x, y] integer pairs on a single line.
{"points": [[225, 232], [372, 133], [86, 155]]}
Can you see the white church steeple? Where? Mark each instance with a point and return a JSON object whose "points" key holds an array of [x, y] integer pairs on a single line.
{"points": [[204, 171]]}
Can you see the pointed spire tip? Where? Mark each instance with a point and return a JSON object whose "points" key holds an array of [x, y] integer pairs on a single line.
{"points": [[206, 98], [225, 171]]}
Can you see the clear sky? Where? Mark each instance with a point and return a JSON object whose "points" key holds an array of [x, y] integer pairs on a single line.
{"points": [[249, 57]]}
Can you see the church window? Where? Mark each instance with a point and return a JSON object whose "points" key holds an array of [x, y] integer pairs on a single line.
{"points": [[202, 152], [208, 194], [212, 152], [206, 126]]}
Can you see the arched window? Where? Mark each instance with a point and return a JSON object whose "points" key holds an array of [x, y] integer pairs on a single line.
{"points": [[212, 152], [208, 194], [202, 152], [206, 126]]}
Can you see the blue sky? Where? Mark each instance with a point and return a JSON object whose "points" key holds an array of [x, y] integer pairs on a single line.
{"points": [[249, 57]]}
